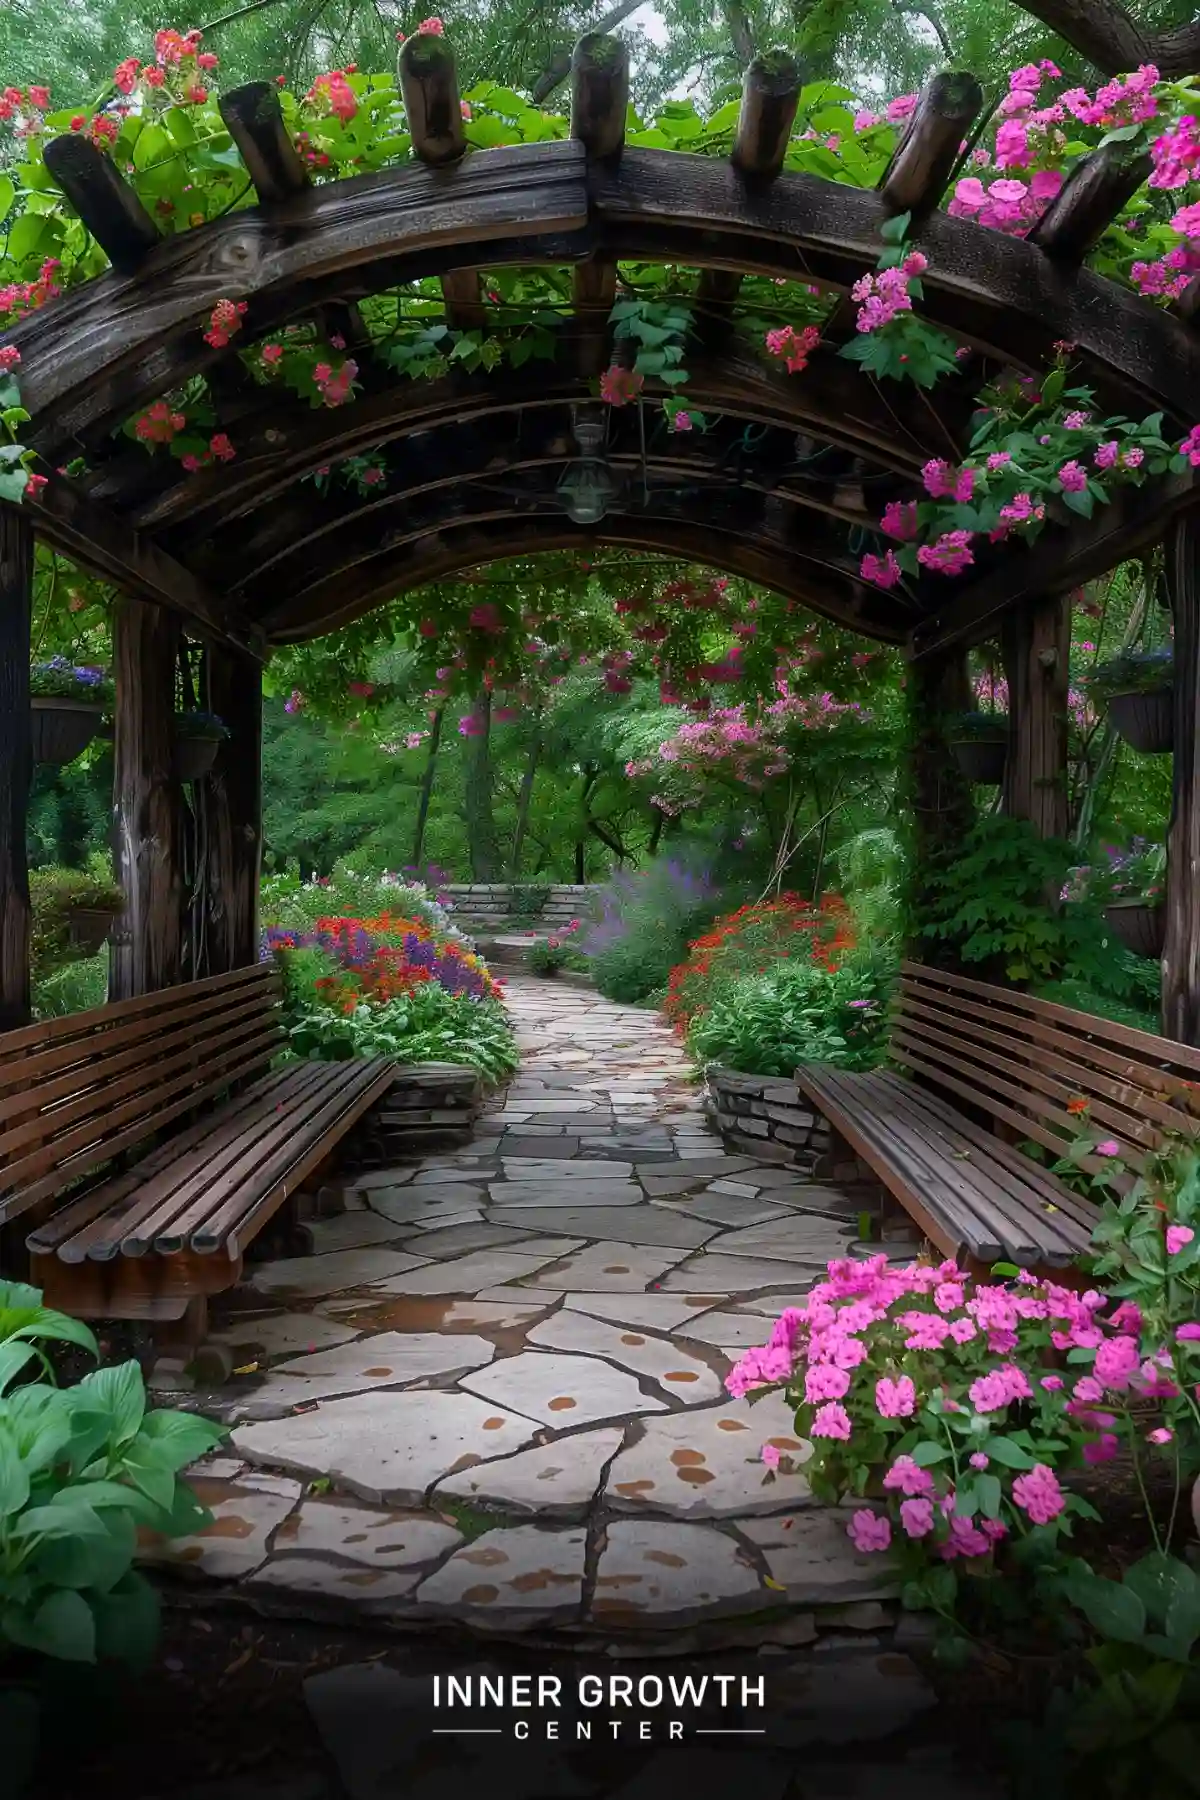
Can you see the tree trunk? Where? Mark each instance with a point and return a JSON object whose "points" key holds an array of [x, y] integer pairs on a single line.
{"points": [[524, 800], [481, 822], [1181, 954], [1037, 647], [233, 805], [16, 762], [146, 951], [427, 781]]}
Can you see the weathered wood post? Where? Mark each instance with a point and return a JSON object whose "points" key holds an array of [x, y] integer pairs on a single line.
{"points": [[233, 850], [1037, 653], [1181, 952], [16, 762], [146, 953], [937, 688]]}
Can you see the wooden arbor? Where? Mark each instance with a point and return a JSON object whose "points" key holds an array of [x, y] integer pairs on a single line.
{"points": [[781, 488]]}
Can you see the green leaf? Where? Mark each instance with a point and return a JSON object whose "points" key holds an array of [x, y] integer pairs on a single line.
{"points": [[14, 1478], [127, 1621], [62, 1627], [7, 195], [152, 143], [927, 1454], [894, 231], [180, 1438], [13, 1356], [121, 1392], [28, 236], [1010, 1455], [1112, 1608]]}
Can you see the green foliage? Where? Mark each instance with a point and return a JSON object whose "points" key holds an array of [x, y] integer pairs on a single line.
{"points": [[81, 1469], [798, 1011], [428, 1025], [644, 924], [1087, 999], [971, 726], [75, 987], [355, 888], [995, 904], [59, 680], [1135, 671], [548, 955], [56, 893]]}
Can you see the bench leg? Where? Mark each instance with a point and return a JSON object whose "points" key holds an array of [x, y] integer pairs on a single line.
{"points": [[182, 1337], [182, 1348]]}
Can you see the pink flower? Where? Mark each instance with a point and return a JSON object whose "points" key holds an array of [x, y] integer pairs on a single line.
{"points": [[1087, 1388], [682, 421], [619, 386], [1116, 1360], [1039, 1494], [830, 1421], [899, 519], [1178, 1237], [883, 570], [1109, 1147], [916, 1516], [869, 1531], [10, 356], [1106, 454], [909, 1477], [1101, 1449], [895, 1399], [978, 1460], [1072, 478], [1188, 1334], [431, 28], [1190, 447], [1051, 1383], [823, 1381], [1160, 1435], [950, 555], [901, 107], [771, 1455]]}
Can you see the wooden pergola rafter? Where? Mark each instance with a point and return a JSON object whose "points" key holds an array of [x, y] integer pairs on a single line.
{"points": [[249, 554]]}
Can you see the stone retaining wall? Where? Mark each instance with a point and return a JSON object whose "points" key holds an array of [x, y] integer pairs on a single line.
{"points": [[425, 1101], [765, 1116], [492, 903]]}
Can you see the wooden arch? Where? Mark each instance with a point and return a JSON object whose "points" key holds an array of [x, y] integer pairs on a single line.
{"points": [[249, 554]]}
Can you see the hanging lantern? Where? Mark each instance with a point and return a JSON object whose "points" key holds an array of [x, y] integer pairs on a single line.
{"points": [[589, 485]]}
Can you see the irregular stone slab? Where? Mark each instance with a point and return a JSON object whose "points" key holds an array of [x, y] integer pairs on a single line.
{"points": [[739, 1274], [678, 1372], [520, 1575], [381, 1178], [633, 1225], [380, 1540], [810, 1554], [522, 1296], [663, 1186], [561, 1390], [652, 1573], [747, 1189], [559, 1478], [769, 1306], [351, 1231], [436, 1312], [313, 1578], [388, 1360], [329, 1274], [283, 1334], [461, 1240], [534, 1194], [447, 1174], [799, 1238], [611, 1268], [661, 1312], [388, 1447], [537, 1168], [466, 1274], [725, 1209], [416, 1206], [707, 1463], [245, 1513], [729, 1331]]}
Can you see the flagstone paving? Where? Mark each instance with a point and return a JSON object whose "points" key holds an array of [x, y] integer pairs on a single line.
{"points": [[495, 1393]]}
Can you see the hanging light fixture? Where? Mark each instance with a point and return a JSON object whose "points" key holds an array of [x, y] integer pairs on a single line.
{"points": [[589, 484]]}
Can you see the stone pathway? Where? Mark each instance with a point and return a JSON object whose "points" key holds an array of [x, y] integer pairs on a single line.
{"points": [[495, 1393]]}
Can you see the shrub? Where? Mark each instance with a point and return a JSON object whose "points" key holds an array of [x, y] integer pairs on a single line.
{"points": [[427, 1025], [1134, 874], [54, 895], [81, 1470], [642, 926], [292, 904], [750, 942], [380, 959], [798, 1011], [59, 679], [548, 955], [76, 987]]}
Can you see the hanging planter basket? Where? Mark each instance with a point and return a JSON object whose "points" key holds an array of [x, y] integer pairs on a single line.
{"points": [[1144, 718], [90, 927], [198, 737], [1139, 924], [982, 754], [61, 730]]}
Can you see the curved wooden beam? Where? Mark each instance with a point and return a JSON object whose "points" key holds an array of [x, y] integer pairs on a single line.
{"points": [[278, 543], [469, 546], [830, 401], [819, 561], [110, 346]]}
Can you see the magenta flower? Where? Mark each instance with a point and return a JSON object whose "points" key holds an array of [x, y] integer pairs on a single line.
{"points": [[950, 555], [895, 1399], [831, 1421], [1072, 478], [916, 1516], [909, 1477], [771, 1455], [1178, 1238], [869, 1531], [1039, 1494], [883, 570], [1108, 1147]]}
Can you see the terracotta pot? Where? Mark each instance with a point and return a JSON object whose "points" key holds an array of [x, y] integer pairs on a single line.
{"points": [[1141, 927], [62, 729], [90, 927], [1145, 719], [982, 759], [194, 756]]}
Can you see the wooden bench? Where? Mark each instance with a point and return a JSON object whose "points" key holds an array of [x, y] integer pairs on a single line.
{"points": [[181, 1080], [979, 1070]]}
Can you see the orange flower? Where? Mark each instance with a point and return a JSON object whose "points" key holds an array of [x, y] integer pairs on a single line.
{"points": [[1078, 1104]]}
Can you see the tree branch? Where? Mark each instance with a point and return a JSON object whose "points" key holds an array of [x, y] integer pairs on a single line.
{"points": [[1105, 33], [918, 11], [560, 66], [740, 32]]}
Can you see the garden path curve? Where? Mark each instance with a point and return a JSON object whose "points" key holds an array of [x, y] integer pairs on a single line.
{"points": [[495, 1394]]}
